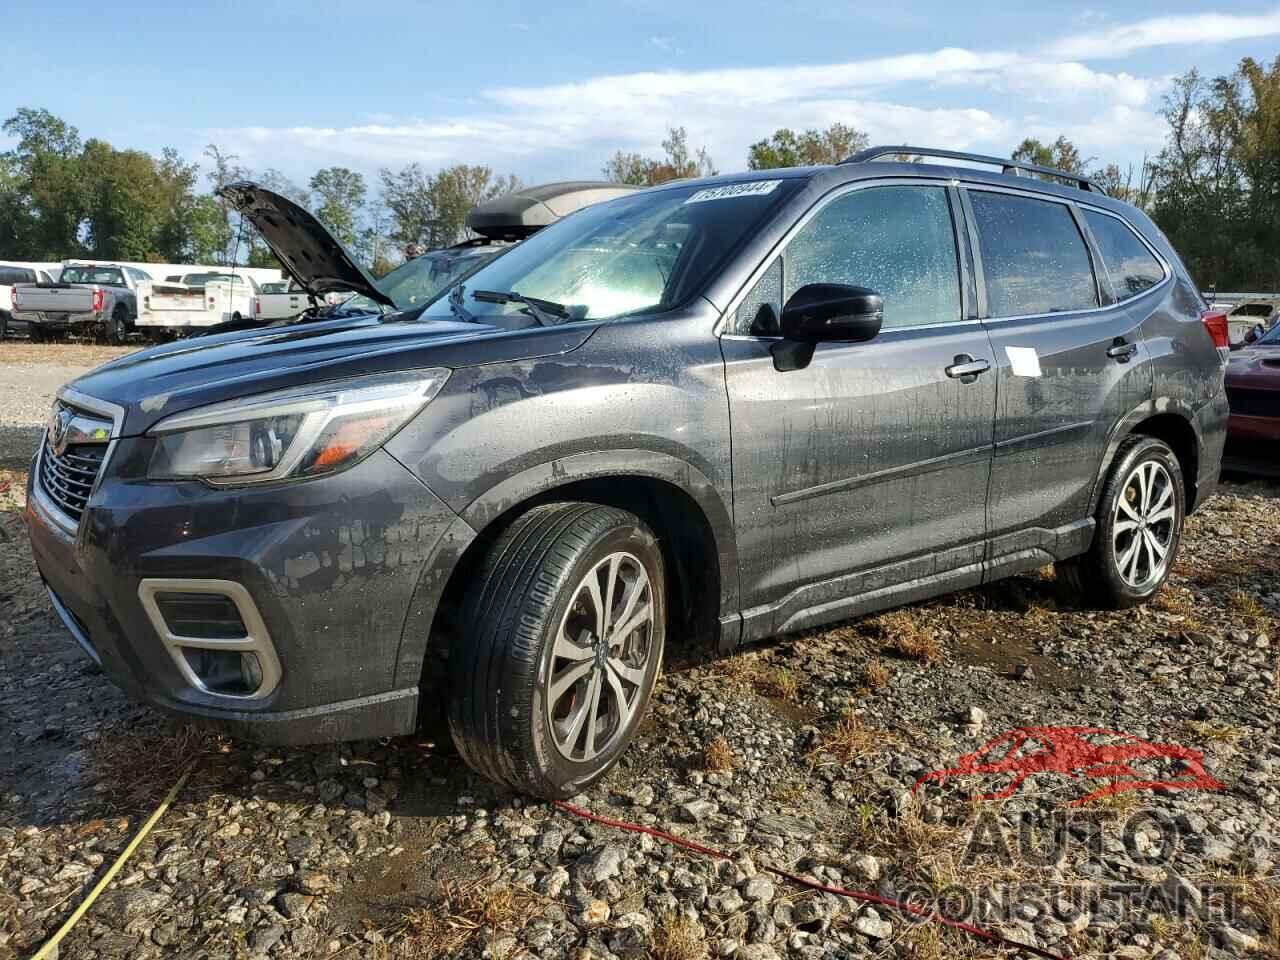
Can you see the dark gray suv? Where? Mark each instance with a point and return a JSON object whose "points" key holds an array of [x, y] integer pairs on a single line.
{"points": [[716, 410]]}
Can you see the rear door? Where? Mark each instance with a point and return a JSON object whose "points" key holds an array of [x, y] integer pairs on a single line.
{"points": [[865, 470], [1071, 362]]}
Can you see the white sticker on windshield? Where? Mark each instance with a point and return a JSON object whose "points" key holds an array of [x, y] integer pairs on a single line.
{"points": [[1024, 361], [756, 188]]}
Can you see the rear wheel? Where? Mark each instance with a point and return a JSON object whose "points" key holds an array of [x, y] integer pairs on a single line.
{"points": [[1139, 526], [4, 324], [118, 326], [566, 625], [37, 333]]}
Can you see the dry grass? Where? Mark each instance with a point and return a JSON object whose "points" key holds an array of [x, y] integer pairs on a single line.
{"points": [[70, 353], [464, 914], [1214, 732], [1229, 570], [790, 793], [875, 675], [139, 767], [13, 489], [1250, 612], [850, 739], [777, 682], [903, 633], [749, 671], [676, 937], [718, 756], [1263, 898]]}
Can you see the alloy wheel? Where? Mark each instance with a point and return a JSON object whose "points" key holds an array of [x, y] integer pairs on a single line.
{"points": [[1142, 528], [601, 658]]}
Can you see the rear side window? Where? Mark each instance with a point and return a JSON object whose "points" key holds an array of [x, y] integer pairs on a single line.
{"points": [[898, 241], [1033, 257], [1131, 265]]}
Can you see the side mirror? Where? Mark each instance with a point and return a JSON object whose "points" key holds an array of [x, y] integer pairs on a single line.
{"points": [[820, 312], [832, 311]]}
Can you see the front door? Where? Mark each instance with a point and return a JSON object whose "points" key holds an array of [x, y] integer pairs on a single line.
{"points": [[860, 479], [1071, 363]]}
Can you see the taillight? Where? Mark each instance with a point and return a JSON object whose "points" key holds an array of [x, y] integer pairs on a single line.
{"points": [[254, 306], [1215, 321], [97, 301], [13, 297]]}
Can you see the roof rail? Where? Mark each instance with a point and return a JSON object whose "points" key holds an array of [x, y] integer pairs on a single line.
{"points": [[1015, 168]]}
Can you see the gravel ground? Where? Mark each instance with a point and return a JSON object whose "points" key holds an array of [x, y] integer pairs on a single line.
{"points": [[801, 755]]}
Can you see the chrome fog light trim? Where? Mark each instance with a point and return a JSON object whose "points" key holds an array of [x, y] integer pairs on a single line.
{"points": [[256, 640]]}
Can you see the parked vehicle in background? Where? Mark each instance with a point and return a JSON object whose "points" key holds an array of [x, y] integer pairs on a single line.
{"points": [[86, 298], [1253, 390], [716, 410], [1245, 316], [9, 276], [196, 302]]}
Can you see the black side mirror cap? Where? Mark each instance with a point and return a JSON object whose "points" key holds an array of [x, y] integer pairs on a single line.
{"points": [[820, 312]]}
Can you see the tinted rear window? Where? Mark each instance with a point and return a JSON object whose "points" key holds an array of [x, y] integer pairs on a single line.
{"points": [[16, 275], [1033, 256], [1131, 265]]}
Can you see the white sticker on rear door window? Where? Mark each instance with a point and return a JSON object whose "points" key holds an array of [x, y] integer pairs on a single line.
{"points": [[755, 188]]}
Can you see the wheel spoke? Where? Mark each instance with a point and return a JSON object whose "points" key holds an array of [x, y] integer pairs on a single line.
{"points": [[1166, 514], [628, 627], [592, 586], [593, 716], [1123, 503], [611, 581], [633, 675], [1166, 494], [567, 649], [1158, 550], [625, 707], [1138, 543], [1148, 473], [580, 716], [566, 679], [634, 593], [1124, 526], [1125, 559]]}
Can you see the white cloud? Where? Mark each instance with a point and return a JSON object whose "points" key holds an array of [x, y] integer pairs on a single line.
{"points": [[568, 129], [1163, 31]]}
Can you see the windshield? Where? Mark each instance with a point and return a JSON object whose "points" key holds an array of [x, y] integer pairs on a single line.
{"points": [[651, 250], [424, 278], [1271, 336], [109, 276]]}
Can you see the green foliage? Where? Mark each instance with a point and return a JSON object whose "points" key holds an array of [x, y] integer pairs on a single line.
{"points": [[1061, 154], [339, 195], [431, 209], [811, 148], [677, 163]]}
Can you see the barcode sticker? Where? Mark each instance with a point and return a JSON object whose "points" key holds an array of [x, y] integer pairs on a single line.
{"points": [[755, 188]]}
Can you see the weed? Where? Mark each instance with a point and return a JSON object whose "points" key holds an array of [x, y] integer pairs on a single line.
{"points": [[676, 937], [718, 756], [875, 675], [465, 913], [904, 634]]}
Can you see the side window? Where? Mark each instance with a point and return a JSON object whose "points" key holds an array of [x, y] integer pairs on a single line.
{"points": [[1131, 265], [760, 312], [898, 241], [1033, 256]]}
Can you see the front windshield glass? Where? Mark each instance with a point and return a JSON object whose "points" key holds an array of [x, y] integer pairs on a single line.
{"points": [[107, 276], [647, 251], [423, 278], [1271, 336]]}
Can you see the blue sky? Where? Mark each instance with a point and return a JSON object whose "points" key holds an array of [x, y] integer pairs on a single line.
{"points": [[549, 90]]}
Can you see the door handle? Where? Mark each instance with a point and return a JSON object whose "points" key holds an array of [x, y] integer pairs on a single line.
{"points": [[1122, 350], [966, 369]]}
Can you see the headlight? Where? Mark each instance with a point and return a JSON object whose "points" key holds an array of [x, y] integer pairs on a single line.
{"points": [[290, 433]]}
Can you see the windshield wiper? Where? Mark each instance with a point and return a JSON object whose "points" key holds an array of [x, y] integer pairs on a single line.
{"points": [[546, 312]]}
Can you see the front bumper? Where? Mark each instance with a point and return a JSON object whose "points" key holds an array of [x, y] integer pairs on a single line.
{"points": [[333, 566]]}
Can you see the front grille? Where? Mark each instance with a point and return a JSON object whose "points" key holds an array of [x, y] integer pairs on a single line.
{"points": [[1254, 403], [67, 478]]}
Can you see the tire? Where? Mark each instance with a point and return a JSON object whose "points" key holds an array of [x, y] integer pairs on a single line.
{"points": [[37, 333], [118, 326], [1125, 565], [521, 712], [4, 324]]}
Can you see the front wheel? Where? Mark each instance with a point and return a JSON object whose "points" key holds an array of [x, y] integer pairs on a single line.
{"points": [[1139, 526], [565, 630]]}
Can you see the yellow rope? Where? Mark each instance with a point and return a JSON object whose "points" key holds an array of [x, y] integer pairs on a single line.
{"points": [[52, 945]]}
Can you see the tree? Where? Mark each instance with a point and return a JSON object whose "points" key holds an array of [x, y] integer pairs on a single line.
{"points": [[1061, 154], [432, 208], [124, 204], [339, 193], [45, 169], [811, 148], [225, 170], [677, 163]]}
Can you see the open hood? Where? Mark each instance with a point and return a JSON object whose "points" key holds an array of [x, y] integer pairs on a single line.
{"points": [[307, 251]]}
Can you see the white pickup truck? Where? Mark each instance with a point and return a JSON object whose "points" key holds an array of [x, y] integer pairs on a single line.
{"points": [[11, 274], [194, 301], [88, 298]]}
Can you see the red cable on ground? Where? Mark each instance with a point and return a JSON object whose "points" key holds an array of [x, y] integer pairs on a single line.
{"points": [[811, 884]]}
